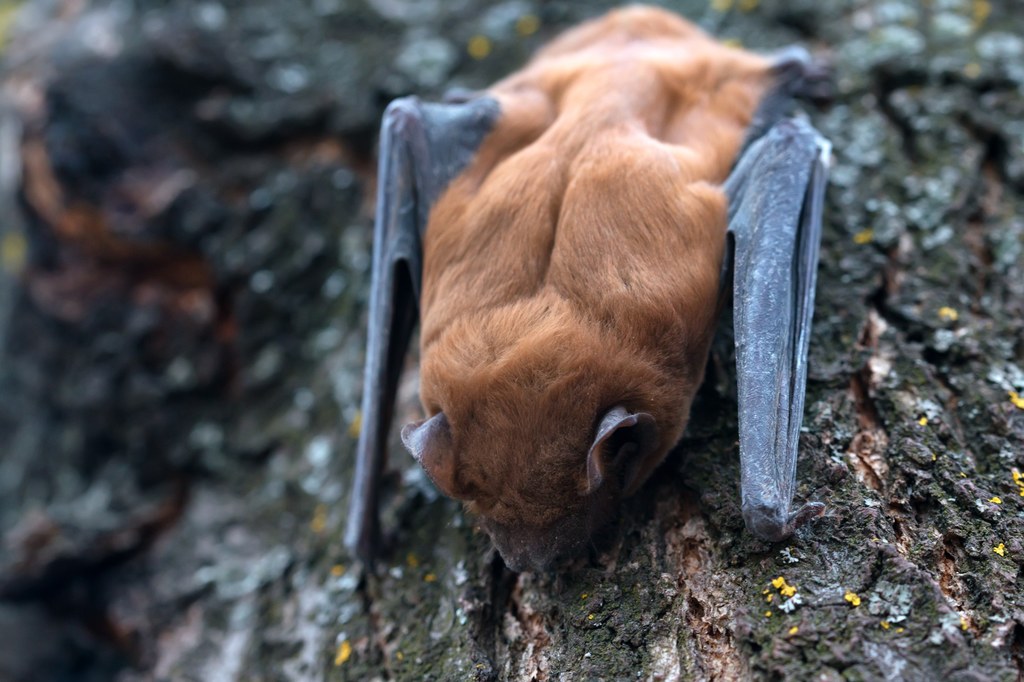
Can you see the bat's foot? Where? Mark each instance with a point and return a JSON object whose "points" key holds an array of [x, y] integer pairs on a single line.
{"points": [[774, 524]]}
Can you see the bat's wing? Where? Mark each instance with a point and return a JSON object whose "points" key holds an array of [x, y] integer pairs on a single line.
{"points": [[422, 148], [775, 199]]}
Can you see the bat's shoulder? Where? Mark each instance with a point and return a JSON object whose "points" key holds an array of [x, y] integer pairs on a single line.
{"points": [[640, 66]]}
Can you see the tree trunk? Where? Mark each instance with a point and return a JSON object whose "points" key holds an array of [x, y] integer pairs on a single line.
{"points": [[182, 290]]}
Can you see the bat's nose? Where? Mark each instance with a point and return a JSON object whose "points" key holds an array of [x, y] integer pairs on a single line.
{"points": [[529, 549], [518, 562], [533, 560]]}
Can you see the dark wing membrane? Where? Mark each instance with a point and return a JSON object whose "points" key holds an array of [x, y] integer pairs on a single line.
{"points": [[422, 148], [775, 200]]}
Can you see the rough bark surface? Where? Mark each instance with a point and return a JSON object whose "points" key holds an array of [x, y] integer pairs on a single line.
{"points": [[184, 188]]}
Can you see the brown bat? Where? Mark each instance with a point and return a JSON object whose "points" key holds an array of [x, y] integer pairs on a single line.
{"points": [[567, 240]]}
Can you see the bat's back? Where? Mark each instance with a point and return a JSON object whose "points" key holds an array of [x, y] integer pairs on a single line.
{"points": [[599, 187], [575, 263]]}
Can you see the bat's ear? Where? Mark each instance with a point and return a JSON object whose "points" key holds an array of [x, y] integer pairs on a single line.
{"points": [[622, 441], [430, 442]]}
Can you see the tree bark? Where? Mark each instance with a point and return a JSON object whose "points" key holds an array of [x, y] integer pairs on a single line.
{"points": [[182, 289]]}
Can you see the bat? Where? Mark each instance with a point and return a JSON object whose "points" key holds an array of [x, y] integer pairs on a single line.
{"points": [[566, 241]]}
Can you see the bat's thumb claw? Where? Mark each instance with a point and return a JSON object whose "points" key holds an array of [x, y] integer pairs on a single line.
{"points": [[773, 523]]}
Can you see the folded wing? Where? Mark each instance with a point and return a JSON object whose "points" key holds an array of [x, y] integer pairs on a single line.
{"points": [[775, 201], [422, 148]]}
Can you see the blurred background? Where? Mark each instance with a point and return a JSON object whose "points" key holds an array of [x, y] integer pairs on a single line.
{"points": [[185, 217]]}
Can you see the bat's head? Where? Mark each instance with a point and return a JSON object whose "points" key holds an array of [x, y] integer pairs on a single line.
{"points": [[544, 511], [542, 436]]}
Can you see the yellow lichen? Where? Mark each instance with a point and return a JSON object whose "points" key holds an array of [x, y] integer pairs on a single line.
{"points": [[13, 250], [1016, 399], [356, 425], [947, 314], [767, 614], [884, 624], [980, 9], [996, 499], [963, 622], [337, 570], [479, 47], [793, 630], [791, 600], [864, 237], [1000, 549], [430, 578], [923, 421], [590, 617], [527, 25], [584, 596], [319, 522], [852, 598], [8, 12], [343, 653]]}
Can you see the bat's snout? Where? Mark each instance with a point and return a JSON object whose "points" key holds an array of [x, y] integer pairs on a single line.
{"points": [[537, 549], [537, 559], [521, 563]]}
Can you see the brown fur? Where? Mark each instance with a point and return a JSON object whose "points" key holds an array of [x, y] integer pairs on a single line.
{"points": [[575, 264]]}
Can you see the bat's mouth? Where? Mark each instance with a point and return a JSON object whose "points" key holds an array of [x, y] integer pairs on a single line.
{"points": [[526, 548], [537, 563], [521, 564]]}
